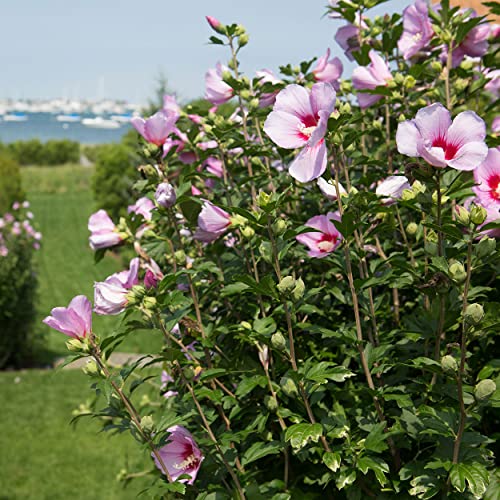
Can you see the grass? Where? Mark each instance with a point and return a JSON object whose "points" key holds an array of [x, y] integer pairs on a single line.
{"points": [[44, 457], [61, 201]]}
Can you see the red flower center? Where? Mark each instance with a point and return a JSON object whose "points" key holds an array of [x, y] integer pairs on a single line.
{"points": [[327, 243], [450, 149], [309, 123], [494, 185]]}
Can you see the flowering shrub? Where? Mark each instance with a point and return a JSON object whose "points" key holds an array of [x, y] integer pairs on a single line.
{"points": [[18, 282], [324, 273]]}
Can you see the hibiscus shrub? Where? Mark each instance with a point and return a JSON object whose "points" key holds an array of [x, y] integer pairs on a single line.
{"points": [[18, 284], [322, 265]]}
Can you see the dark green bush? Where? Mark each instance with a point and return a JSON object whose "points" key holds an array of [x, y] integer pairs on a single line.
{"points": [[17, 304], [115, 173], [10, 182], [53, 152]]}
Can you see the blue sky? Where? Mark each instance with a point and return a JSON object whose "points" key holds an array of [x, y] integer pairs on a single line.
{"points": [[116, 48]]}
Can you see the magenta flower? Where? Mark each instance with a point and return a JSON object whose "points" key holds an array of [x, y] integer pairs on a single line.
{"points": [[165, 195], [432, 136], [143, 206], [212, 223], [216, 90], [156, 128], [74, 320], [392, 188], [267, 76], [215, 24], [487, 176], [110, 296], [493, 84], [181, 455], [417, 29], [328, 71], [103, 232], [170, 105], [299, 119], [348, 37], [323, 241], [376, 74], [153, 274], [214, 166]]}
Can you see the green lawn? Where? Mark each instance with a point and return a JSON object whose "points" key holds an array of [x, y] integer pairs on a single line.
{"points": [[44, 457], [41, 455], [61, 201]]}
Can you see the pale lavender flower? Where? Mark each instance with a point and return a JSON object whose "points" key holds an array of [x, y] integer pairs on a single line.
{"points": [[417, 29], [157, 127], [392, 188], [328, 70], [143, 206], [103, 232], [165, 195], [74, 320], [216, 90], [212, 223]]}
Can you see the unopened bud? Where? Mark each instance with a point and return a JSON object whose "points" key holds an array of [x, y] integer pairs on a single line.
{"points": [[474, 314], [411, 229], [478, 215], [245, 94], [271, 403], [74, 345], [286, 285], [484, 389], [457, 272], [216, 25], [243, 39], [226, 75], [165, 195], [136, 294], [147, 423], [278, 341], [436, 66], [399, 78], [462, 215], [280, 226], [408, 195], [288, 386], [91, 368], [180, 257], [248, 232], [449, 363], [240, 29], [410, 82], [435, 197], [149, 303], [298, 291], [263, 199]]}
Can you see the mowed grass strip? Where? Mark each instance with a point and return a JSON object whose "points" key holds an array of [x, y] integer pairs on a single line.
{"points": [[43, 457], [62, 202]]}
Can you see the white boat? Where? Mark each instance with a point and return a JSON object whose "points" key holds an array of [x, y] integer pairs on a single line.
{"points": [[122, 118], [71, 118], [100, 122], [15, 117]]}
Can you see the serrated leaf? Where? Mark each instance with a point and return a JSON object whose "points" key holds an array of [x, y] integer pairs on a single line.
{"points": [[332, 460], [300, 434], [324, 371], [377, 465]]}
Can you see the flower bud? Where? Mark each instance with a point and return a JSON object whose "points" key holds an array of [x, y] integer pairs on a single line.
{"points": [[485, 247], [226, 75], [165, 195], [467, 64], [289, 387], [238, 220], [435, 200], [408, 195], [457, 272], [248, 232], [266, 251], [436, 66], [180, 257], [216, 25], [278, 341], [245, 94], [240, 29], [253, 103], [418, 188], [271, 403], [410, 82], [474, 314], [411, 229], [74, 345], [298, 291], [136, 294], [147, 423], [478, 215], [399, 78], [243, 39], [280, 226], [461, 84], [462, 215], [484, 389], [286, 285], [263, 199], [149, 303], [449, 364], [91, 368]]}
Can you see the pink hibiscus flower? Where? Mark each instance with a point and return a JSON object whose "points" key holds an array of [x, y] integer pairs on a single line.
{"points": [[323, 241], [299, 119]]}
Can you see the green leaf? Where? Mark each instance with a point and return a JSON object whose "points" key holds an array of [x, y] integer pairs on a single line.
{"points": [[475, 476], [377, 465], [233, 289], [324, 371], [332, 460], [345, 478], [375, 441], [300, 434], [259, 450], [247, 385]]}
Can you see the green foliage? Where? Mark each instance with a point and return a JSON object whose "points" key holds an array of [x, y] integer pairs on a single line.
{"points": [[10, 183], [52, 152], [114, 176]]}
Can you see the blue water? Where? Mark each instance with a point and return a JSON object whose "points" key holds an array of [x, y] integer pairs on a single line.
{"points": [[44, 126]]}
